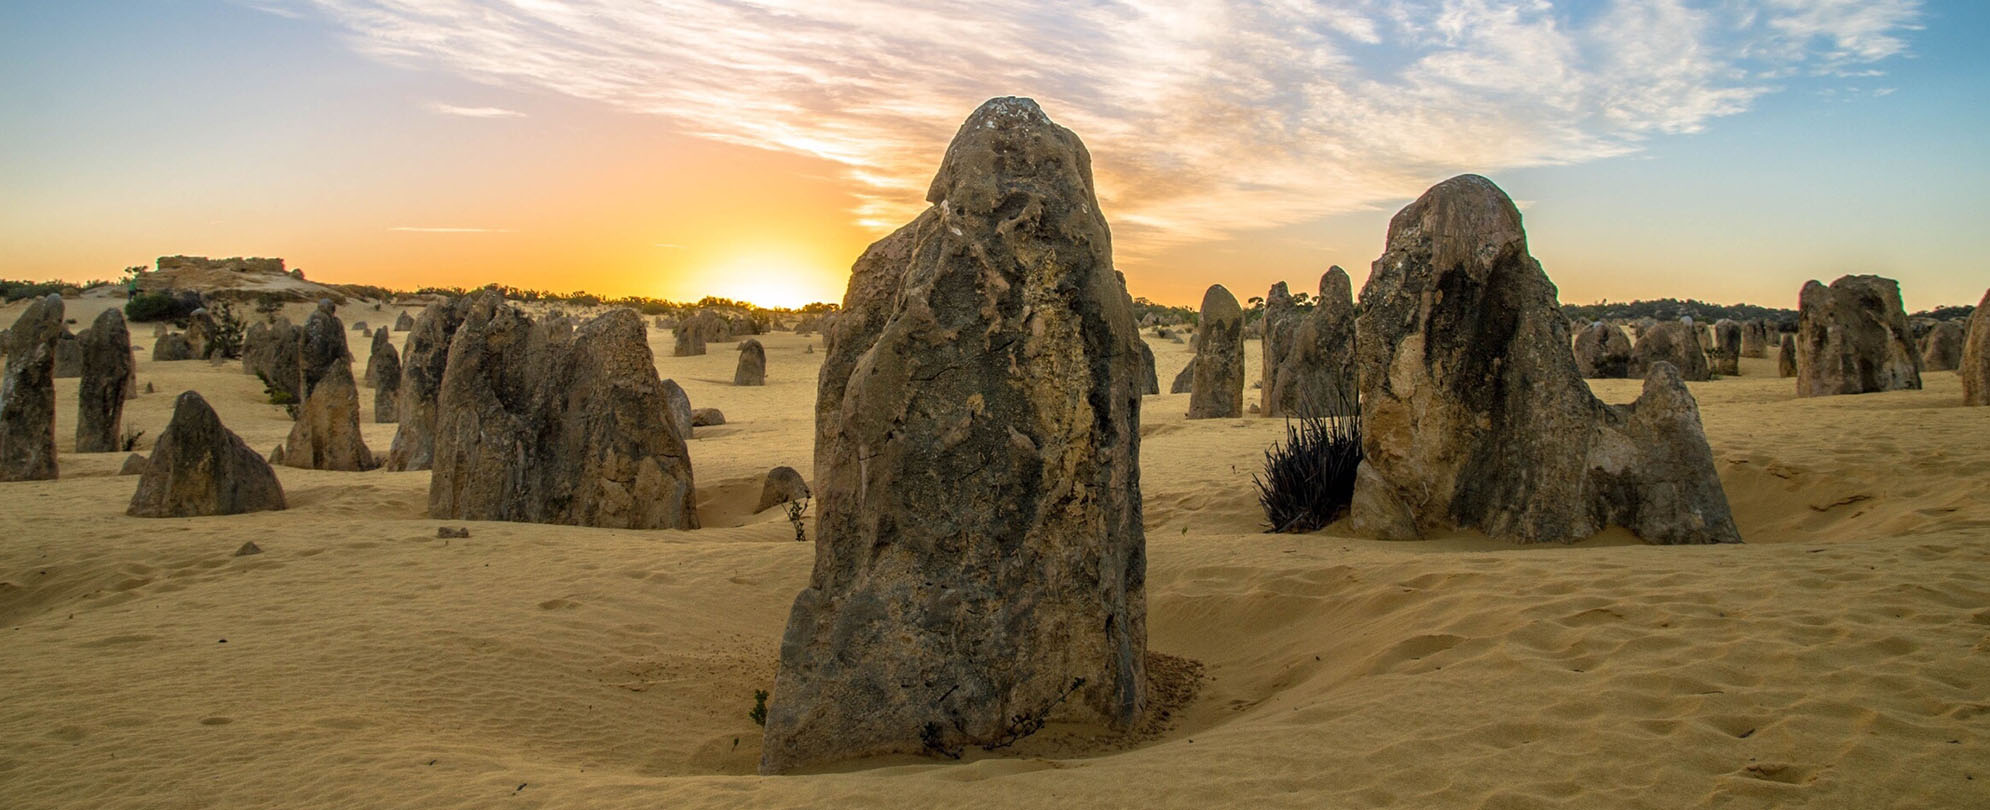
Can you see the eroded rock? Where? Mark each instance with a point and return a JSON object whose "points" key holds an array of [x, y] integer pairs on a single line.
{"points": [[27, 393], [1853, 338], [199, 467], [106, 362], [1317, 375], [1218, 391]]}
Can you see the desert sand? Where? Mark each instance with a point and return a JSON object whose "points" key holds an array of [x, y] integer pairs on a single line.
{"points": [[1839, 658]]}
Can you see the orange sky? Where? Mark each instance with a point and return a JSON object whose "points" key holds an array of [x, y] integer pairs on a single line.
{"points": [[704, 149]]}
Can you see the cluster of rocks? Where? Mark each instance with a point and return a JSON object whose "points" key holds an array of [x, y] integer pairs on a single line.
{"points": [[1474, 413], [326, 434], [424, 359], [979, 554], [705, 326], [544, 422]]}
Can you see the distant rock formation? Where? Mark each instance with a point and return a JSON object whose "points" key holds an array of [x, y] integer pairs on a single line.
{"points": [[1674, 343], [424, 359], [233, 279], [382, 346], [1726, 351], [403, 323], [1974, 367], [707, 417], [27, 394], [1281, 325], [199, 467], [1853, 338], [270, 351], [326, 435], [1941, 348], [1317, 373], [782, 485], [1150, 383], [979, 555], [1218, 392], [752, 367], [171, 347], [539, 424], [68, 355], [688, 340], [1786, 357], [323, 347], [677, 406], [1602, 352], [1185, 381], [387, 392], [1755, 339], [1473, 414], [106, 349]]}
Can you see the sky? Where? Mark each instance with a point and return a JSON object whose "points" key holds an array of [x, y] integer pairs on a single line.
{"points": [[1726, 150]]}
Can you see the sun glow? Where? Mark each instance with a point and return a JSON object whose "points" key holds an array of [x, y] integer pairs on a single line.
{"points": [[772, 278]]}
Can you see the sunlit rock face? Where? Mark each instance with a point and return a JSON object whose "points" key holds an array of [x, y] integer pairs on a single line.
{"points": [[199, 467], [979, 550], [1853, 338], [424, 359], [1474, 414], [1316, 374]]}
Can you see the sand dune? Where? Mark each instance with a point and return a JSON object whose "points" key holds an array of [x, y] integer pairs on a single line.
{"points": [[1841, 658]]}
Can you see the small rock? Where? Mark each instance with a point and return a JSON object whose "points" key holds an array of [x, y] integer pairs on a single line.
{"points": [[707, 417], [248, 549], [452, 531]]}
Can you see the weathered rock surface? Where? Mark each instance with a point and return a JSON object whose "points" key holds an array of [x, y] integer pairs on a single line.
{"points": [[1675, 343], [539, 424], [1786, 357], [382, 345], [134, 464], [782, 485], [707, 417], [979, 554], [404, 323], [106, 350], [1853, 338], [688, 340], [1218, 391], [1941, 349], [200, 334], [27, 394], [1317, 374], [1474, 415], [387, 393], [1281, 326], [271, 352], [424, 358], [1602, 352], [326, 435], [199, 467], [1726, 351], [752, 368], [323, 348], [172, 347], [1974, 366]]}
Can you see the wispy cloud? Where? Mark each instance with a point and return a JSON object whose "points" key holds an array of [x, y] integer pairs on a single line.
{"points": [[1205, 118], [474, 112], [414, 229]]}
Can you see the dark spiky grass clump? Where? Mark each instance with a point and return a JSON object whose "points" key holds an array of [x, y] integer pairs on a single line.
{"points": [[1308, 480]]}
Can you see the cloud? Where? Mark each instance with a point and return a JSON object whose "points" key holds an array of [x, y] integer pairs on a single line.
{"points": [[474, 112], [1204, 118], [413, 229]]}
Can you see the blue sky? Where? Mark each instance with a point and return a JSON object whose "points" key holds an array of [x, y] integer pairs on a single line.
{"points": [[1719, 149]]}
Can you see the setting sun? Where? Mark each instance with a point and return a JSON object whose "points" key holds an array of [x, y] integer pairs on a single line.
{"points": [[772, 278]]}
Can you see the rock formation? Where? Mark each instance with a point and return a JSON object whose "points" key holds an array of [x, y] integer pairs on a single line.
{"points": [[271, 353], [1317, 372], [323, 347], [1602, 352], [199, 467], [539, 424], [1675, 343], [424, 358], [1941, 349], [752, 368], [1281, 325], [382, 346], [106, 349], [27, 394], [403, 323], [1974, 367], [688, 340], [782, 485], [172, 347], [1726, 351], [387, 391], [1474, 416], [1786, 357], [677, 406], [1150, 382], [326, 435], [134, 464], [200, 334], [1218, 392], [1755, 339], [979, 555], [1853, 338], [68, 355], [1185, 381]]}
